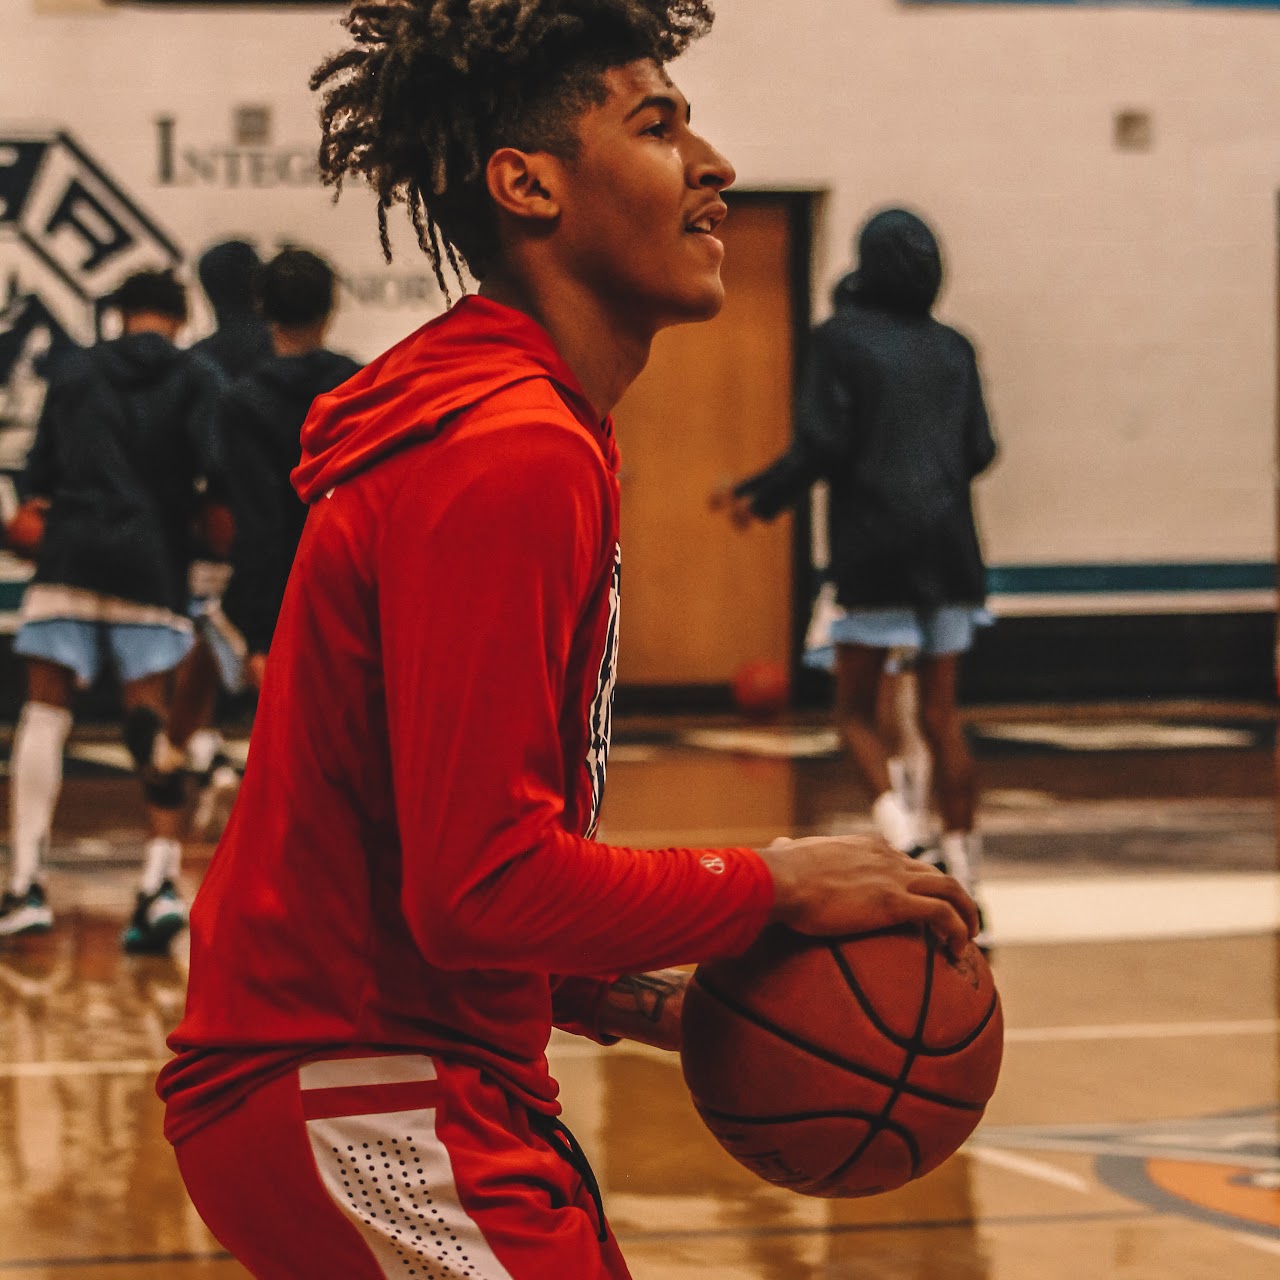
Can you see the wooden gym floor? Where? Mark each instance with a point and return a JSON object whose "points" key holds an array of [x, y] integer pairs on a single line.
{"points": [[1133, 892]]}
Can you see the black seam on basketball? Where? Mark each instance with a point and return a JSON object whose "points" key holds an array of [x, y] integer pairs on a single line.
{"points": [[943, 1050], [787, 1037], [915, 1045], [882, 1122], [900, 1131], [855, 988]]}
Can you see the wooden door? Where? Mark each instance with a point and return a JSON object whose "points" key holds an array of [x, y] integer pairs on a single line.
{"points": [[700, 598]]}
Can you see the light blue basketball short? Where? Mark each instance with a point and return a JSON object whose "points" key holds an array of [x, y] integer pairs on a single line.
{"points": [[136, 649], [935, 634]]}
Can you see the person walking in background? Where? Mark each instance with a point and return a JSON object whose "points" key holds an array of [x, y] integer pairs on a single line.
{"points": [[125, 442], [890, 414], [261, 416], [229, 273]]}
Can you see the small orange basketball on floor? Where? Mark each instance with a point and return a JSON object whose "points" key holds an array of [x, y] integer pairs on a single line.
{"points": [[761, 689], [842, 1066], [25, 532]]}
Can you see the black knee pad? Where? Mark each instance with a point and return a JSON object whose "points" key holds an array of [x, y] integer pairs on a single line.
{"points": [[141, 728]]}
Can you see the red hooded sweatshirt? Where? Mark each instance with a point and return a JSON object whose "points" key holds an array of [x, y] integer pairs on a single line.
{"points": [[410, 858]]}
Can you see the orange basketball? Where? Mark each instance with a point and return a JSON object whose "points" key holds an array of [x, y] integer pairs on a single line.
{"points": [[842, 1067], [25, 532], [761, 688]]}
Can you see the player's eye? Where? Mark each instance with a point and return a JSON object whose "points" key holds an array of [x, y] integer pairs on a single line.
{"points": [[658, 129]]}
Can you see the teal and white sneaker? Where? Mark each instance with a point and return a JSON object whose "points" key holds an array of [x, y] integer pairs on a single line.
{"points": [[24, 913], [156, 919]]}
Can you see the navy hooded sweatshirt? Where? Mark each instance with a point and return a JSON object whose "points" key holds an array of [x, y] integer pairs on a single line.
{"points": [[126, 439], [890, 414], [261, 420]]}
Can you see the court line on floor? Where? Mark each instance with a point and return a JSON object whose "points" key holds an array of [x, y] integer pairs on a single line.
{"points": [[1132, 908], [1024, 1165], [117, 1260], [569, 1049], [986, 1222], [1258, 1242], [1142, 1031]]}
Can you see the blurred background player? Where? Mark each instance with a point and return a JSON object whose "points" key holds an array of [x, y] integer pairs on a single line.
{"points": [[229, 274], [123, 445], [890, 414], [261, 416]]}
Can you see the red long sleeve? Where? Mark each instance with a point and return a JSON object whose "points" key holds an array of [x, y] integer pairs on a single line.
{"points": [[482, 602]]}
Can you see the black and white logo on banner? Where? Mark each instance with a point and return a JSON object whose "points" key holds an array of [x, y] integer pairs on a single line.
{"points": [[69, 235]]}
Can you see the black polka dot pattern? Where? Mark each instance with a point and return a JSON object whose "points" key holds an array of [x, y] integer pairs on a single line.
{"points": [[386, 1188]]}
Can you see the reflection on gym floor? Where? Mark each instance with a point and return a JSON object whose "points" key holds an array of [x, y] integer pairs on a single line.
{"points": [[1133, 894]]}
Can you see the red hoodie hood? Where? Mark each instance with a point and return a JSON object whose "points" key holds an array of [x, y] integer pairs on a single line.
{"points": [[411, 391]]}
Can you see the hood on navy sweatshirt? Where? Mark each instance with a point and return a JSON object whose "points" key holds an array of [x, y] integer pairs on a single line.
{"points": [[899, 265], [135, 359], [411, 392]]}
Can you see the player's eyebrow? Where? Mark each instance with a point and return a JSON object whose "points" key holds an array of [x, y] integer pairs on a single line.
{"points": [[663, 100]]}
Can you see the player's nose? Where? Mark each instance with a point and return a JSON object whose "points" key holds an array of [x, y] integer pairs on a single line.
{"points": [[708, 168]]}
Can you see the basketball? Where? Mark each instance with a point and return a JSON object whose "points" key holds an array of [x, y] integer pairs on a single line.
{"points": [[842, 1066], [761, 688], [25, 532]]}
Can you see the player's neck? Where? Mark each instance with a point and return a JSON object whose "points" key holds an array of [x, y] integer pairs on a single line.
{"points": [[606, 355], [297, 340]]}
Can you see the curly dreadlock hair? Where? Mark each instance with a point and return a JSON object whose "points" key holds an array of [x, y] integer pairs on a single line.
{"points": [[431, 88]]}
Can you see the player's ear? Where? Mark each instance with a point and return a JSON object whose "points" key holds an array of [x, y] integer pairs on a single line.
{"points": [[523, 183]]}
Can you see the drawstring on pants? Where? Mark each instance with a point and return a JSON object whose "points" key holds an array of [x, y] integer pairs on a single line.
{"points": [[566, 1146]]}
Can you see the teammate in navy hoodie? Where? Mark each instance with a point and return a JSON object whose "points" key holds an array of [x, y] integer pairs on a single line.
{"points": [[126, 441], [261, 416]]}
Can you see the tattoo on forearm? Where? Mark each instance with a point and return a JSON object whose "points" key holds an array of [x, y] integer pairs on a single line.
{"points": [[647, 995]]}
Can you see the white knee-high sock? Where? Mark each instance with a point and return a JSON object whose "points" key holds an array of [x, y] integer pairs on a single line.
{"points": [[917, 768], [163, 861], [35, 779], [203, 746], [898, 779]]}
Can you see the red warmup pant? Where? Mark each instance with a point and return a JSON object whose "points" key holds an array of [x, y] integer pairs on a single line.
{"points": [[363, 1168]]}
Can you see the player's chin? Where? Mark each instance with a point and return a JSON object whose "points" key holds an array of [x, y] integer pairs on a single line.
{"points": [[700, 300]]}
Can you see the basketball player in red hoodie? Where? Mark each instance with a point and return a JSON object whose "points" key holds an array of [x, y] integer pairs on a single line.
{"points": [[408, 895]]}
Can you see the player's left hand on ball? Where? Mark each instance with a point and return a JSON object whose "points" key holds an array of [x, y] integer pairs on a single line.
{"points": [[829, 886]]}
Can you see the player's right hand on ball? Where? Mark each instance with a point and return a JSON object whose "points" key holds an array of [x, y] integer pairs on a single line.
{"points": [[827, 886]]}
